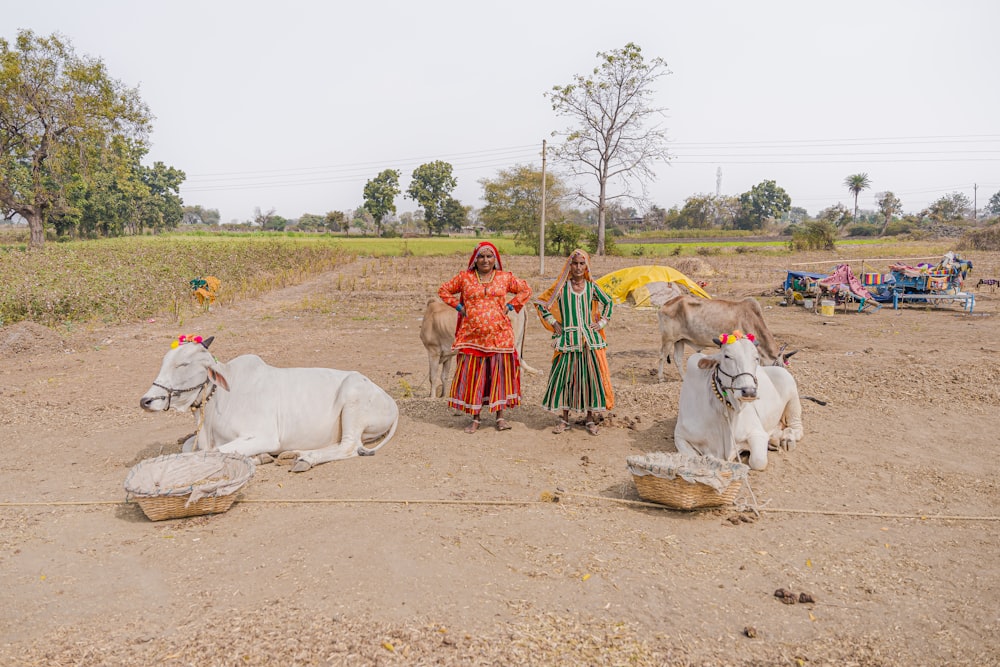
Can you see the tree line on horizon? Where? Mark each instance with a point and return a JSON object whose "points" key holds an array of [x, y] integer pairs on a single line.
{"points": [[72, 141]]}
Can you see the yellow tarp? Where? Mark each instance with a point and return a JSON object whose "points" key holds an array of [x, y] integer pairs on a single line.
{"points": [[619, 284]]}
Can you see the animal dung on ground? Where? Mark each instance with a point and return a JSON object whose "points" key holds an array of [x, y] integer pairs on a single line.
{"points": [[789, 597]]}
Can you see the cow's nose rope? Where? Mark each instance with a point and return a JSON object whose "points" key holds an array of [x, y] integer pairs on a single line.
{"points": [[721, 390], [177, 392]]}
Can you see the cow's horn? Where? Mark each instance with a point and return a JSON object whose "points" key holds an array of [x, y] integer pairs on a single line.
{"points": [[208, 341], [717, 341], [788, 355]]}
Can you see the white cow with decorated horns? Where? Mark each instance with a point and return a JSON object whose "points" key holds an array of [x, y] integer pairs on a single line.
{"points": [[313, 415], [729, 404]]}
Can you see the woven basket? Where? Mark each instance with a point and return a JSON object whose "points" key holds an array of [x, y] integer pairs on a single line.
{"points": [[686, 482], [164, 486]]}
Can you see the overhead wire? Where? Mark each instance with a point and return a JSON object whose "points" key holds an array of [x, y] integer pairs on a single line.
{"points": [[897, 150]]}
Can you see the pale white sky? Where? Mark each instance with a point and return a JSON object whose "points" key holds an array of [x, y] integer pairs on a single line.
{"points": [[294, 105]]}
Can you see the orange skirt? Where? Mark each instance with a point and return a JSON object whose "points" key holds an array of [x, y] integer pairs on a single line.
{"points": [[490, 381]]}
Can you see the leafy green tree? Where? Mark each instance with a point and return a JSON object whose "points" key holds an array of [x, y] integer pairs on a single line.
{"points": [[856, 183], [431, 187], [764, 201], [514, 202], [380, 197], [949, 208], [993, 205], [613, 137], [310, 222], [264, 219], [196, 215], [889, 205], [362, 220], [60, 114], [655, 218], [563, 237], [453, 215], [837, 215], [708, 211], [337, 221], [162, 207], [796, 215]]}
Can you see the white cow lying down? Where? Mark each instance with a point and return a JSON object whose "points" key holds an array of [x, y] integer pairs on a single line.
{"points": [[315, 414], [729, 404]]}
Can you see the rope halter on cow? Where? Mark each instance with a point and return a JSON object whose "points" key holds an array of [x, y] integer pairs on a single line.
{"points": [[722, 392], [171, 392]]}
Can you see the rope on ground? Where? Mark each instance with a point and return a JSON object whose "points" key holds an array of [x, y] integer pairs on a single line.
{"points": [[546, 498]]}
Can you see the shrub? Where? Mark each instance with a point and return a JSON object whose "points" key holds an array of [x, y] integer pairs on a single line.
{"points": [[897, 227], [610, 247], [863, 229], [814, 235], [987, 238]]}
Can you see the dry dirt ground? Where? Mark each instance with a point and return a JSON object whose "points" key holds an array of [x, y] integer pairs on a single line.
{"points": [[446, 548]]}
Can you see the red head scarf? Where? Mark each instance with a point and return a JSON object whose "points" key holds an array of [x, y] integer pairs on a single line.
{"points": [[475, 253]]}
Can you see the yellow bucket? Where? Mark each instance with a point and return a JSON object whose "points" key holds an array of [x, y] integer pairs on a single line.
{"points": [[826, 307]]}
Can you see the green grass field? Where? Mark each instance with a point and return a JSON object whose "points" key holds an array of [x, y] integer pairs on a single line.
{"points": [[133, 278]]}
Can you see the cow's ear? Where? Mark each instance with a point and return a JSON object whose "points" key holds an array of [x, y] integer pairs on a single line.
{"points": [[218, 378], [706, 363], [208, 341]]}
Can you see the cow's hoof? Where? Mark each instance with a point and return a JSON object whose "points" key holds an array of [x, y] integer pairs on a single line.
{"points": [[364, 451], [301, 466], [287, 458], [263, 459]]}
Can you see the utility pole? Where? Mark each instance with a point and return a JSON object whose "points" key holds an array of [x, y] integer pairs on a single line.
{"points": [[541, 231], [975, 203]]}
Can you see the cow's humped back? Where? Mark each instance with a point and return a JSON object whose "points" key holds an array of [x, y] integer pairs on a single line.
{"points": [[698, 321], [437, 331]]}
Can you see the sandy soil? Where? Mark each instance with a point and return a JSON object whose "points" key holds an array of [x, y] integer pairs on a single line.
{"points": [[447, 549]]}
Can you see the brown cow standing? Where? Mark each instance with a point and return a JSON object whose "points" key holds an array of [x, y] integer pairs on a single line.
{"points": [[696, 321], [437, 333]]}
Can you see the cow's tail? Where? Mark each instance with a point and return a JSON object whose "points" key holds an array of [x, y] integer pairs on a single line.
{"points": [[370, 451], [528, 369], [814, 400]]}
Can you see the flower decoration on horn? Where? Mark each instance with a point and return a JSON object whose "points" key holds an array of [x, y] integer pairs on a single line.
{"points": [[185, 338], [726, 339]]}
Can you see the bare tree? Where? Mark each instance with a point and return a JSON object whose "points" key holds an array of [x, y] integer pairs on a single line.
{"points": [[610, 139]]}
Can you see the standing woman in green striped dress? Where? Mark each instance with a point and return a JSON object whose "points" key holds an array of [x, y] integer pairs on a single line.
{"points": [[576, 310]]}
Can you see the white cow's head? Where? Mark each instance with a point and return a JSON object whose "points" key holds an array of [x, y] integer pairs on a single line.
{"points": [[734, 368], [185, 376]]}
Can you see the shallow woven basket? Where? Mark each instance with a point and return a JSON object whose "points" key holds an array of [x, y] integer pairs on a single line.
{"points": [[163, 486], [672, 480]]}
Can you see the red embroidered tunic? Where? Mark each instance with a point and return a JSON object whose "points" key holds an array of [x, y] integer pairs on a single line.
{"points": [[485, 327]]}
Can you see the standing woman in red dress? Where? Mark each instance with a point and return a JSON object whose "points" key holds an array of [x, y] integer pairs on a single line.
{"points": [[488, 372]]}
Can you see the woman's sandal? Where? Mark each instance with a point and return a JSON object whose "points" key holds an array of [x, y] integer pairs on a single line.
{"points": [[592, 428], [502, 425], [562, 428], [473, 426]]}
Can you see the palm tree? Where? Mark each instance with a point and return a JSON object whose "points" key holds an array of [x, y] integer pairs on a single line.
{"points": [[856, 184]]}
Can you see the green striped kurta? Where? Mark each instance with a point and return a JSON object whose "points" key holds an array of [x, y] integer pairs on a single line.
{"points": [[579, 379]]}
